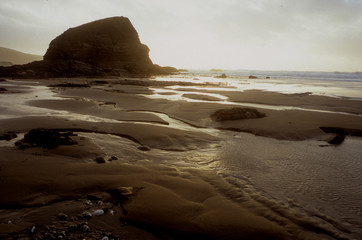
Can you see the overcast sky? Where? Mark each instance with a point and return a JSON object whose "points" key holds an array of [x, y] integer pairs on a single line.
{"points": [[323, 35]]}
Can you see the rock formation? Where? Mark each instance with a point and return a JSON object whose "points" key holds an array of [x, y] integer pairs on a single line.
{"points": [[46, 138], [107, 42], [236, 113], [222, 76], [253, 77], [106, 47]]}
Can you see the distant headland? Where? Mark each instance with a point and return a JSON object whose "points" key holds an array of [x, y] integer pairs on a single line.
{"points": [[106, 47]]}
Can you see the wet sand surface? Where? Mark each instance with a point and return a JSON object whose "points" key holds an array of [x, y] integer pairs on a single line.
{"points": [[149, 156]]}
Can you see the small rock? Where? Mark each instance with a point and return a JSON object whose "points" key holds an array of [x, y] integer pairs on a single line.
{"points": [[98, 212], [33, 229], [100, 160], [253, 77], [222, 76], [85, 228], [105, 238], [88, 202], [72, 227], [106, 207], [10, 222], [113, 158], [62, 216], [86, 215], [111, 212]]}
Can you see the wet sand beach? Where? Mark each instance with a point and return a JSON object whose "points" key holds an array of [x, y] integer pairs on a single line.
{"points": [[144, 159]]}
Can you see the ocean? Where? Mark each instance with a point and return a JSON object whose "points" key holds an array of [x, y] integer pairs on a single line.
{"points": [[336, 84], [327, 76]]}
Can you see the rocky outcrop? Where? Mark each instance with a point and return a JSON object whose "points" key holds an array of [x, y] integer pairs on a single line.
{"points": [[45, 138], [236, 113], [107, 42], [106, 47]]}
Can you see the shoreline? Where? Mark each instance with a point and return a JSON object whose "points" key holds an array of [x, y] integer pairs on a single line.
{"points": [[164, 201]]}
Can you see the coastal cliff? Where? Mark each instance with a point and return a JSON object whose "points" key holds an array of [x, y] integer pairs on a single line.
{"points": [[106, 47]]}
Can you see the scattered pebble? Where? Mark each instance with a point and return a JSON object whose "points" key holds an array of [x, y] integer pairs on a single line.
{"points": [[67, 230], [62, 216], [98, 212], [86, 215], [113, 158], [72, 227], [86, 228], [88, 202]]}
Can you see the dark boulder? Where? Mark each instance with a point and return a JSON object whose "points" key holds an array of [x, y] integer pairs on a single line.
{"points": [[46, 138], [236, 114], [106, 43], [100, 160]]}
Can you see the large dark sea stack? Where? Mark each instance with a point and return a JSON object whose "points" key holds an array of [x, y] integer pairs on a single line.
{"points": [[107, 42], [106, 47]]}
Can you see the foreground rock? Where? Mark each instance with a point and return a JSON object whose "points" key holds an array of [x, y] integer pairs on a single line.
{"points": [[236, 114], [106, 47], [46, 138]]}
